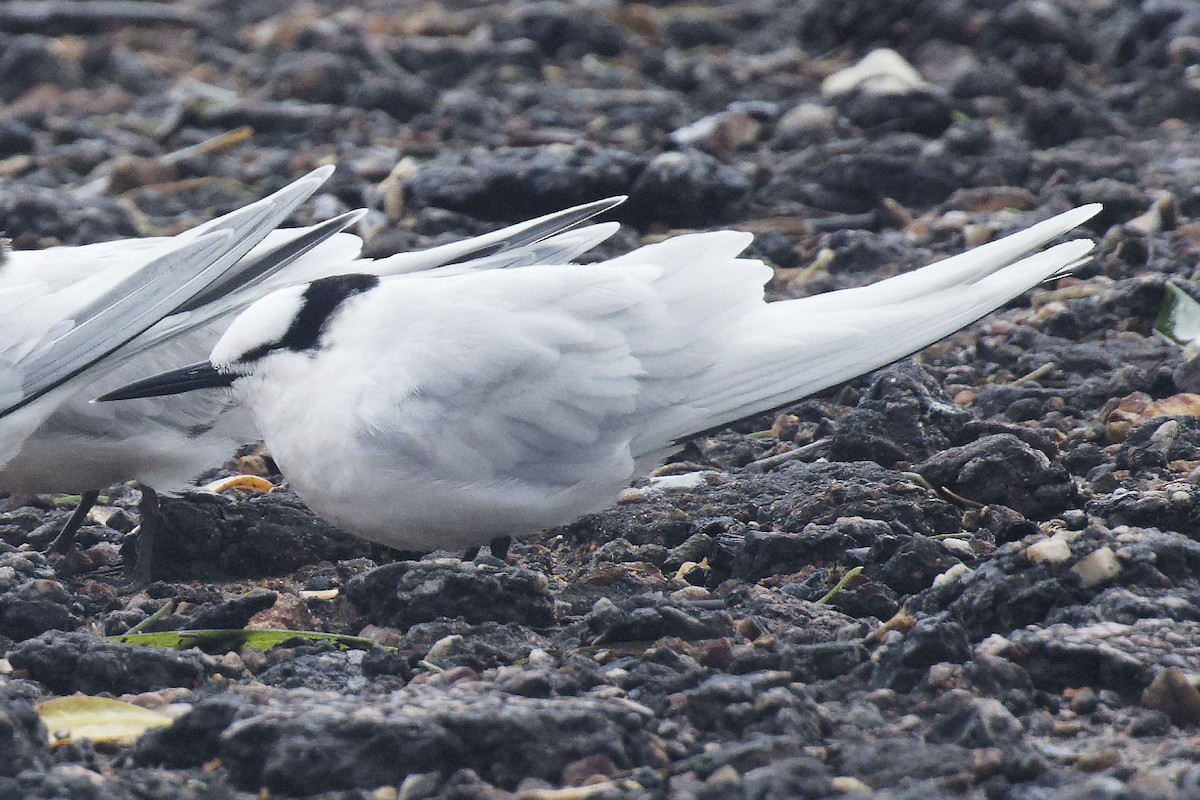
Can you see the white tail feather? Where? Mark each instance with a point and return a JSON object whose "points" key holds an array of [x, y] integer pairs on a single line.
{"points": [[783, 351], [962, 268]]}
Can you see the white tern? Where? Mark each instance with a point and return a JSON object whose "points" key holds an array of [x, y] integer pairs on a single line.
{"points": [[442, 409]]}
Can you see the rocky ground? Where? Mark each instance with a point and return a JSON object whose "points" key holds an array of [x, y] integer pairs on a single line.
{"points": [[1023, 498]]}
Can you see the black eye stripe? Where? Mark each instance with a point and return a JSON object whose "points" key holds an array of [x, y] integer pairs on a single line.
{"points": [[320, 299]]}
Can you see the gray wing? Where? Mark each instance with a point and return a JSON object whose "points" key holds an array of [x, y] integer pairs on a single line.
{"points": [[132, 305], [549, 239], [491, 250], [535, 230], [252, 271], [259, 274], [561, 248]]}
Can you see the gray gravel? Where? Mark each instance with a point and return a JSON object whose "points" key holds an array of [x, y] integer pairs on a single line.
{"points": [[1022, 497]]}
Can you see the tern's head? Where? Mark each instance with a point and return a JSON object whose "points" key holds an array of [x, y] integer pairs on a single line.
{"points": [[290, 320]]}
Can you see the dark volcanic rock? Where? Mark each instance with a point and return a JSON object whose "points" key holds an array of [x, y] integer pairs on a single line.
{"points": [[861, 251], [925, 112], [33, 215], [205, 535], [761, 553], [687, 188], [562, 29], [409, 592], [80, 662], [312, 77], [905, 415], [233, 614], [30, 604], [1058, 118], [754, 703], [15, 137], [902, 665], [810, 663], [858, 181], [401, 96], [913, 565], [1002, 469], [1177, 510], [647, 618], [1157, 442], [321, 668], [1057, 656], [28, 60], [893, 760], [195, 737], [992, 79], [971, 721], [1122, 201], [900, 166], [859, 21], [519, 183], [22, 740], [822, 493], [1016, 587], [332, 745], [458, 644]]}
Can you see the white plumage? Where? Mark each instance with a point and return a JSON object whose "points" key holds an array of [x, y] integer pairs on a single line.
{"points": [[67, 308], [160, 442], [165, 442], [442, 409]]}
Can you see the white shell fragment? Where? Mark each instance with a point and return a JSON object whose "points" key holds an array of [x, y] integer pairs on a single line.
{"points": [[1049, 551], [1099, 566], [882, 71]]}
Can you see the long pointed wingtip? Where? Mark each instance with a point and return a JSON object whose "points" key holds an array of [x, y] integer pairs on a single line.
{"points": [[1076, 247], [612, 202], [205, 254], [321, 173], [307, 184], [1077, 253], [302, 187], [1068, 220], [1085, 212]]}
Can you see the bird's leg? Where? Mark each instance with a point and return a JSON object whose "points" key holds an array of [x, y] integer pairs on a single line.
{"points": [[143, 554], [499, 547], [66, 537]]}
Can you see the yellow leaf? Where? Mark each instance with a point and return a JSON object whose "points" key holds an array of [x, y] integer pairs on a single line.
{"points": [[99, 719], [244, 483]]}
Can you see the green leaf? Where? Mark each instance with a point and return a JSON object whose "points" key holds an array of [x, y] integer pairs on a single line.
{"points": [[223, 641], [1179, 317], [100, 719]]}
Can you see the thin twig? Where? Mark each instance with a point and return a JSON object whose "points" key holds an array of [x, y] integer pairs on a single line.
{"points": [[771, 462]]}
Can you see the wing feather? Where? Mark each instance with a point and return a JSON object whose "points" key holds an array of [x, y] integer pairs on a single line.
{"points": [[480, 248], [119, 312], [636, 353]]}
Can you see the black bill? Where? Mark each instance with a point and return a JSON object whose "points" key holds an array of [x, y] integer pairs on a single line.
{"points": [[202, 375]]}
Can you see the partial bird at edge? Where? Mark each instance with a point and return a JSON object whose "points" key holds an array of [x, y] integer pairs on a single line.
{"points": [[84, 308]]}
